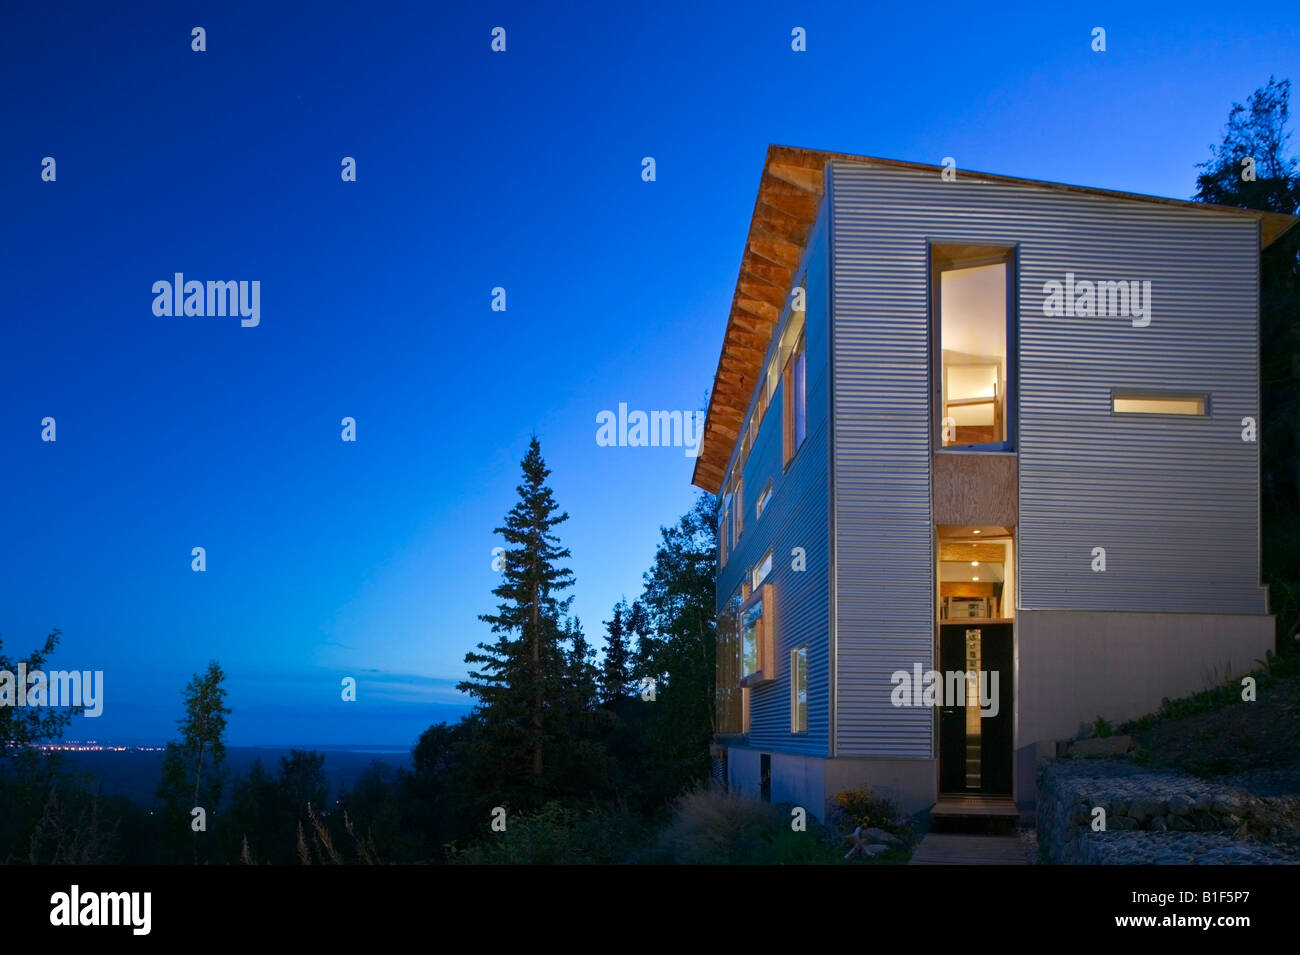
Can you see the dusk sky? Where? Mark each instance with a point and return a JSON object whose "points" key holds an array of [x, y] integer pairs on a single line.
{"points": [[475, 170]]}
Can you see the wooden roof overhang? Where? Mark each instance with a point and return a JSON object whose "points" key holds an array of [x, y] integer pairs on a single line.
{"points": [[789, 195]]}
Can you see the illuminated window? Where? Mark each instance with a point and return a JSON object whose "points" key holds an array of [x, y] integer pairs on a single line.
{"points": [[738, 514], [973, 382], [799, 690], [764, 496], [760, 571], [730, 696], [796, 396], [1137, 402], [756, 638]]}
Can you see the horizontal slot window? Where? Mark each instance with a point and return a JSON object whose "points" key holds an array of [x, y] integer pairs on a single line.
{"points": [[1135, 402]]}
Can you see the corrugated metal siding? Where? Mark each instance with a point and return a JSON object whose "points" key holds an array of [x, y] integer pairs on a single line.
{"points": [[883, 533], [797, 516], [1174, 502]]}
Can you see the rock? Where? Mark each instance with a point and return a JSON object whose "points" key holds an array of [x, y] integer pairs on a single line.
{"points": [[1229, 821], [1158, 824], [1225, 802], [1179, 824], [1146, 807], [881, 837], [1110, 746], [1204, 802], [1121, 822], [1206, 822], [1181, 805], [874, 850]]}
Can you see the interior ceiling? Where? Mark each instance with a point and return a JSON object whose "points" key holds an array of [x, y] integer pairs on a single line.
{"points": [[965, 531], [962, 552], [974, 303], [955, 572]]}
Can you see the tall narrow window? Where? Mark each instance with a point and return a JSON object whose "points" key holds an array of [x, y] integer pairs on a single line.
{"points": [[973, 371], [800, 393], [760, 571], [799, 690], [730, 695], [796, 397], [740, 508], [757, 639], [724, 526]]}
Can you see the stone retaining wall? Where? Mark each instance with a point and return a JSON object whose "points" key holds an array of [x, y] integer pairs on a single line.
{"points": [[1152, 818]]}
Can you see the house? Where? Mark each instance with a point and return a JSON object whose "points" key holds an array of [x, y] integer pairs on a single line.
{"points": [[976, 435]]}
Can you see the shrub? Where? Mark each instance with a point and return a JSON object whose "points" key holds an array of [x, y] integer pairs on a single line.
{"points": [[863, 808], [556, 834], [712, 826]]}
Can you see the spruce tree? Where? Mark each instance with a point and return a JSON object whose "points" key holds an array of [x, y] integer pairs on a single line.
{"points": [[613, 669], [520, 680], [584, 685]]}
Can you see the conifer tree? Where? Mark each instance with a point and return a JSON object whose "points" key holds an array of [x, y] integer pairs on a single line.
{"points": [[583, 675], [614, 675], [520, 680]]}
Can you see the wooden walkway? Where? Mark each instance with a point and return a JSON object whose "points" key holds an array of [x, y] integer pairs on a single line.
{"points": [[967, 807], [950, 848]]}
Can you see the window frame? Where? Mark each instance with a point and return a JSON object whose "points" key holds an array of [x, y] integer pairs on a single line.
{"points": [[791, 440], [796, 728], [764, 652], [764, 497], [727, 670], [738, 510], [964, 254], [755, 581], [1155, 394]]}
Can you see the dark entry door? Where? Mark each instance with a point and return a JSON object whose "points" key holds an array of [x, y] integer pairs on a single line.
{"points": [[975, 749]]}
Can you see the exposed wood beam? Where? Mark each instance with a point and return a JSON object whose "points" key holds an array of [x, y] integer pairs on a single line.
{"points": [[778, 222], [768, 307], [774, 248], [754, 268], [809, 178], [789, 198]]}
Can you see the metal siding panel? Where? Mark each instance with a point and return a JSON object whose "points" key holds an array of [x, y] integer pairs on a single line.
{"points": [[883, 573], [796, 516], [1175, 503]]}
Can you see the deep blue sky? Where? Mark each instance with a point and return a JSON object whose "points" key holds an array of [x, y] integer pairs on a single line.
{"points": [[475, 170]]}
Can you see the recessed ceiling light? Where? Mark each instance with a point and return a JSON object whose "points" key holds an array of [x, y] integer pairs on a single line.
{"points": [[974, 578], [976, 531], [974, 563]]}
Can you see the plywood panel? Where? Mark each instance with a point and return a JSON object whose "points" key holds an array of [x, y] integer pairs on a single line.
{"points": [[975, 488]]}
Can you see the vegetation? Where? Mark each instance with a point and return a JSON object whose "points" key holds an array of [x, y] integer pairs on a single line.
{"points": [[1251, 169]]}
